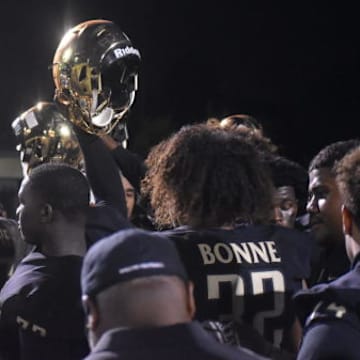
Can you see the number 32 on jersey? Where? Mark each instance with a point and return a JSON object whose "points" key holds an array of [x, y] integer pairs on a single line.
{"points": [[257, 287]]}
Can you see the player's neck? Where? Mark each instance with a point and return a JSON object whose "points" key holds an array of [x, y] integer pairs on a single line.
{"points": [[69, 241]]}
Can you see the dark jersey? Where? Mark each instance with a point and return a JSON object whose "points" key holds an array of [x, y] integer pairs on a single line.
{"points": [[331, 317], [103, 220], [247, 275], [181, 341], [131, 165], [109, 213], [328, 264], [41, 312]]}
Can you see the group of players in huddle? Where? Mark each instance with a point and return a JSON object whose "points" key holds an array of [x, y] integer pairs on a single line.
{"points": [[215, 247]]}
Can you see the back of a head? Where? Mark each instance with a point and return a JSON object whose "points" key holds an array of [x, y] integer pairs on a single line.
{"points": [[136, 279], [331, 154], [208, 177], [158, 300], [66, 189], [348, 179]]}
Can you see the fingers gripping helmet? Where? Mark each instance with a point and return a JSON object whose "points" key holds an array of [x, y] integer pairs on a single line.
{"points": [[95, 73], [44, 135]]}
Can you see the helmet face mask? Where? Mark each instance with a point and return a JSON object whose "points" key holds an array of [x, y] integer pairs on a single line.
{"points": [[44, 135], [95, 73]]}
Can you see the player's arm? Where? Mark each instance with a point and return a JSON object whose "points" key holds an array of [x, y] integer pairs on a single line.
{"points": [[131, 165], [102, 171]]}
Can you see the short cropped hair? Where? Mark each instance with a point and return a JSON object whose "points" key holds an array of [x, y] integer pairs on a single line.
{"points": [[207, 176], [348, 179], [331, 154], [66, 189]]}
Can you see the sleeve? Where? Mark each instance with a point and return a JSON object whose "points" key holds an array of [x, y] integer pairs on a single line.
{"points": [[102, 220], [51, 325], [331, 332], [102, 171], [329, 340], [131, 165]]}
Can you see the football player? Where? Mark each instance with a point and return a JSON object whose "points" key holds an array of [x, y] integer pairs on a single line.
{"points": [[211, 184], [324, 208], [331, 311]]}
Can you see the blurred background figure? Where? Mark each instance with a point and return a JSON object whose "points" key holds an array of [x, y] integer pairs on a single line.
{"points": [[290, 181], [132, 171]]}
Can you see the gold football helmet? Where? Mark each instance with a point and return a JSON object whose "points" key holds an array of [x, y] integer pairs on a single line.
{"points": [[44, 135], [95, 71], [233, 121]]}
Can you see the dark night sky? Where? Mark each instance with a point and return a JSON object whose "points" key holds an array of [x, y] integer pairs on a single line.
{"points": [[294, 67]]}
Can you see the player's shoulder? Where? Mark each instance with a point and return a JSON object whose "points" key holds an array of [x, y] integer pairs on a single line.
{"points": [[320, 301], [41, 276], [330, 311], [332, 331]]}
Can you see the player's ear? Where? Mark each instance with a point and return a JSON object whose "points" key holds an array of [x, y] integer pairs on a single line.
{"points": [[91, 311], [347, 220], [46, 213], [191, 308]]}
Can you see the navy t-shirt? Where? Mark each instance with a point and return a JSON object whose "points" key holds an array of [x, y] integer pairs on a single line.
{"points": [[41, 312]]}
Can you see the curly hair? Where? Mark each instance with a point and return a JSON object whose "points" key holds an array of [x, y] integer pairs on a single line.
{"points": [[205, 176], [348, 179]]}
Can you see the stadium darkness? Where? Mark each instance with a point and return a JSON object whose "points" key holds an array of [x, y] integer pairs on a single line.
{"points": [[294, 67]]}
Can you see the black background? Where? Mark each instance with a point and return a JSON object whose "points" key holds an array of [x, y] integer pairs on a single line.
{"points": [[292, 65]]}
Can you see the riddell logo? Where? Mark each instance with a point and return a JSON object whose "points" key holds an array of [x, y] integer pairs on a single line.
{"points": [[119, 53]]}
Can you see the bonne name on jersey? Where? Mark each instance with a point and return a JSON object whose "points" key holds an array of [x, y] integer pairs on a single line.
{"points": [[248, 274]]}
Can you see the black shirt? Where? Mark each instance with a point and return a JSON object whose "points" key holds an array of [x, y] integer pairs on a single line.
{"points": [[41, 312], [182, 341]]}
